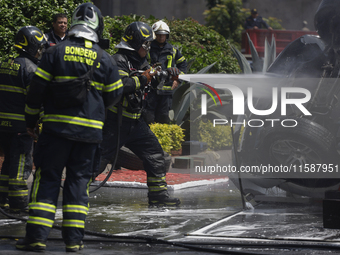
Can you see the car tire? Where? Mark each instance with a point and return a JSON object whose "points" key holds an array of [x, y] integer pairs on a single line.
{"points": [[307, 143]]}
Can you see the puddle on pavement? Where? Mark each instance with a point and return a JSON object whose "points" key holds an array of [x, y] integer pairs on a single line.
{"points": [[125, 211]]}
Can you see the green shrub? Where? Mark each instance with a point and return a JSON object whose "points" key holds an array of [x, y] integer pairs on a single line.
{"points": [[18, 13], [169, 136], [194, 40], [217, 138]]}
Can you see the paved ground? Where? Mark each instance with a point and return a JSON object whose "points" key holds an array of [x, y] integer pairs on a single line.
{"points": [[122, 211], [210, 220]]}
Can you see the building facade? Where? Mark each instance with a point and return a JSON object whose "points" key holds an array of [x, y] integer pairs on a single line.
{"points": [[291, 12]]}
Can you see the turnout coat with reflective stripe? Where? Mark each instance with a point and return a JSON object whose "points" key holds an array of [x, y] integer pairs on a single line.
{"points": [[15, 75], [127, 62], [69, 60], [169, 56]]}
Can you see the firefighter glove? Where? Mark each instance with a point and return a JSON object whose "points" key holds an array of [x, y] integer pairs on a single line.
{"points": [[148, 74], [174, 72]]}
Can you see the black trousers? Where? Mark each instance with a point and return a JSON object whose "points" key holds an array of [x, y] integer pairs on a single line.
{"points": [[157, 108], [51, 155], [16, 168], [137, 136]]}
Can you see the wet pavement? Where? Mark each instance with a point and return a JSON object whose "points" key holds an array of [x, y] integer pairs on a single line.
{"points": [[210, 220], [125, 212]]}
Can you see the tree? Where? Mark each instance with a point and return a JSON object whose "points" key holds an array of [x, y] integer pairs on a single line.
{"points": [[212, 3], [226, 17]]}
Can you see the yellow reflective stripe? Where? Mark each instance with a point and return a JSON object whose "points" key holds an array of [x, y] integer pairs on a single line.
{"points": [[73, 120], [111, 87], [88, 192], [169, 57], [64, 78], [74, 223], [43, 74], [180, 60], [17, 182], [75, 209], [43, 207], [22, 246], [18, 193], [125, 113], [136, 82], [4, 177], [40, 221], [4, 189], [35, 186], [125, 102], [12, 89], [12, 116], [31, 111], [123, 73], [88, 44], [21, 166], [157, 188], [166, 88], [156, 179], [97, 85]]}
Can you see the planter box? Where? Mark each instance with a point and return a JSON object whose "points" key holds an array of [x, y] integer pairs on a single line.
{"points": [[193, 147]]}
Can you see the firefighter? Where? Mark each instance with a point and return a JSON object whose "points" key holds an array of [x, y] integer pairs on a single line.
{"points": [[159, 99], [17, 145], [72, 131], [134, 132]]}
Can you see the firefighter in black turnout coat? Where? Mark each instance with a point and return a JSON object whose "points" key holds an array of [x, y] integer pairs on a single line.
{"points": [[74, 113], [17, 145], [135, 133], [159, 98]]}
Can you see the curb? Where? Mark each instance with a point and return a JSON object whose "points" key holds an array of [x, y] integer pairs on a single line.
{"points": [[139, 185]]}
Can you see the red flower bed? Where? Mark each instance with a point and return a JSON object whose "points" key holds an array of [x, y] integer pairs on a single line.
{"points": [[140, 176]]}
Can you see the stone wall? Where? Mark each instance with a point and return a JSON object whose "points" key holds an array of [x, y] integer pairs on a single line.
{"points": [[178, 9], [291, 12]]}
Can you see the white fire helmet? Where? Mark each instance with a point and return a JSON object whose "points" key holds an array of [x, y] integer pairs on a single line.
{"points": [[160, 27]]}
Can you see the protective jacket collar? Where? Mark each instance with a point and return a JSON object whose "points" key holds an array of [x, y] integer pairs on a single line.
{"points": [[84, 32]]}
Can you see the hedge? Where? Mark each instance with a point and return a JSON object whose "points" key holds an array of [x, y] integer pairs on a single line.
{"points": [[195, 41]]}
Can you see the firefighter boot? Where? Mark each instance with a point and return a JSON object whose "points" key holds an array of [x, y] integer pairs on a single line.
{"points": [[162, 199], [30, 245], [74, 247], [4, 203], [158, 193]]}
